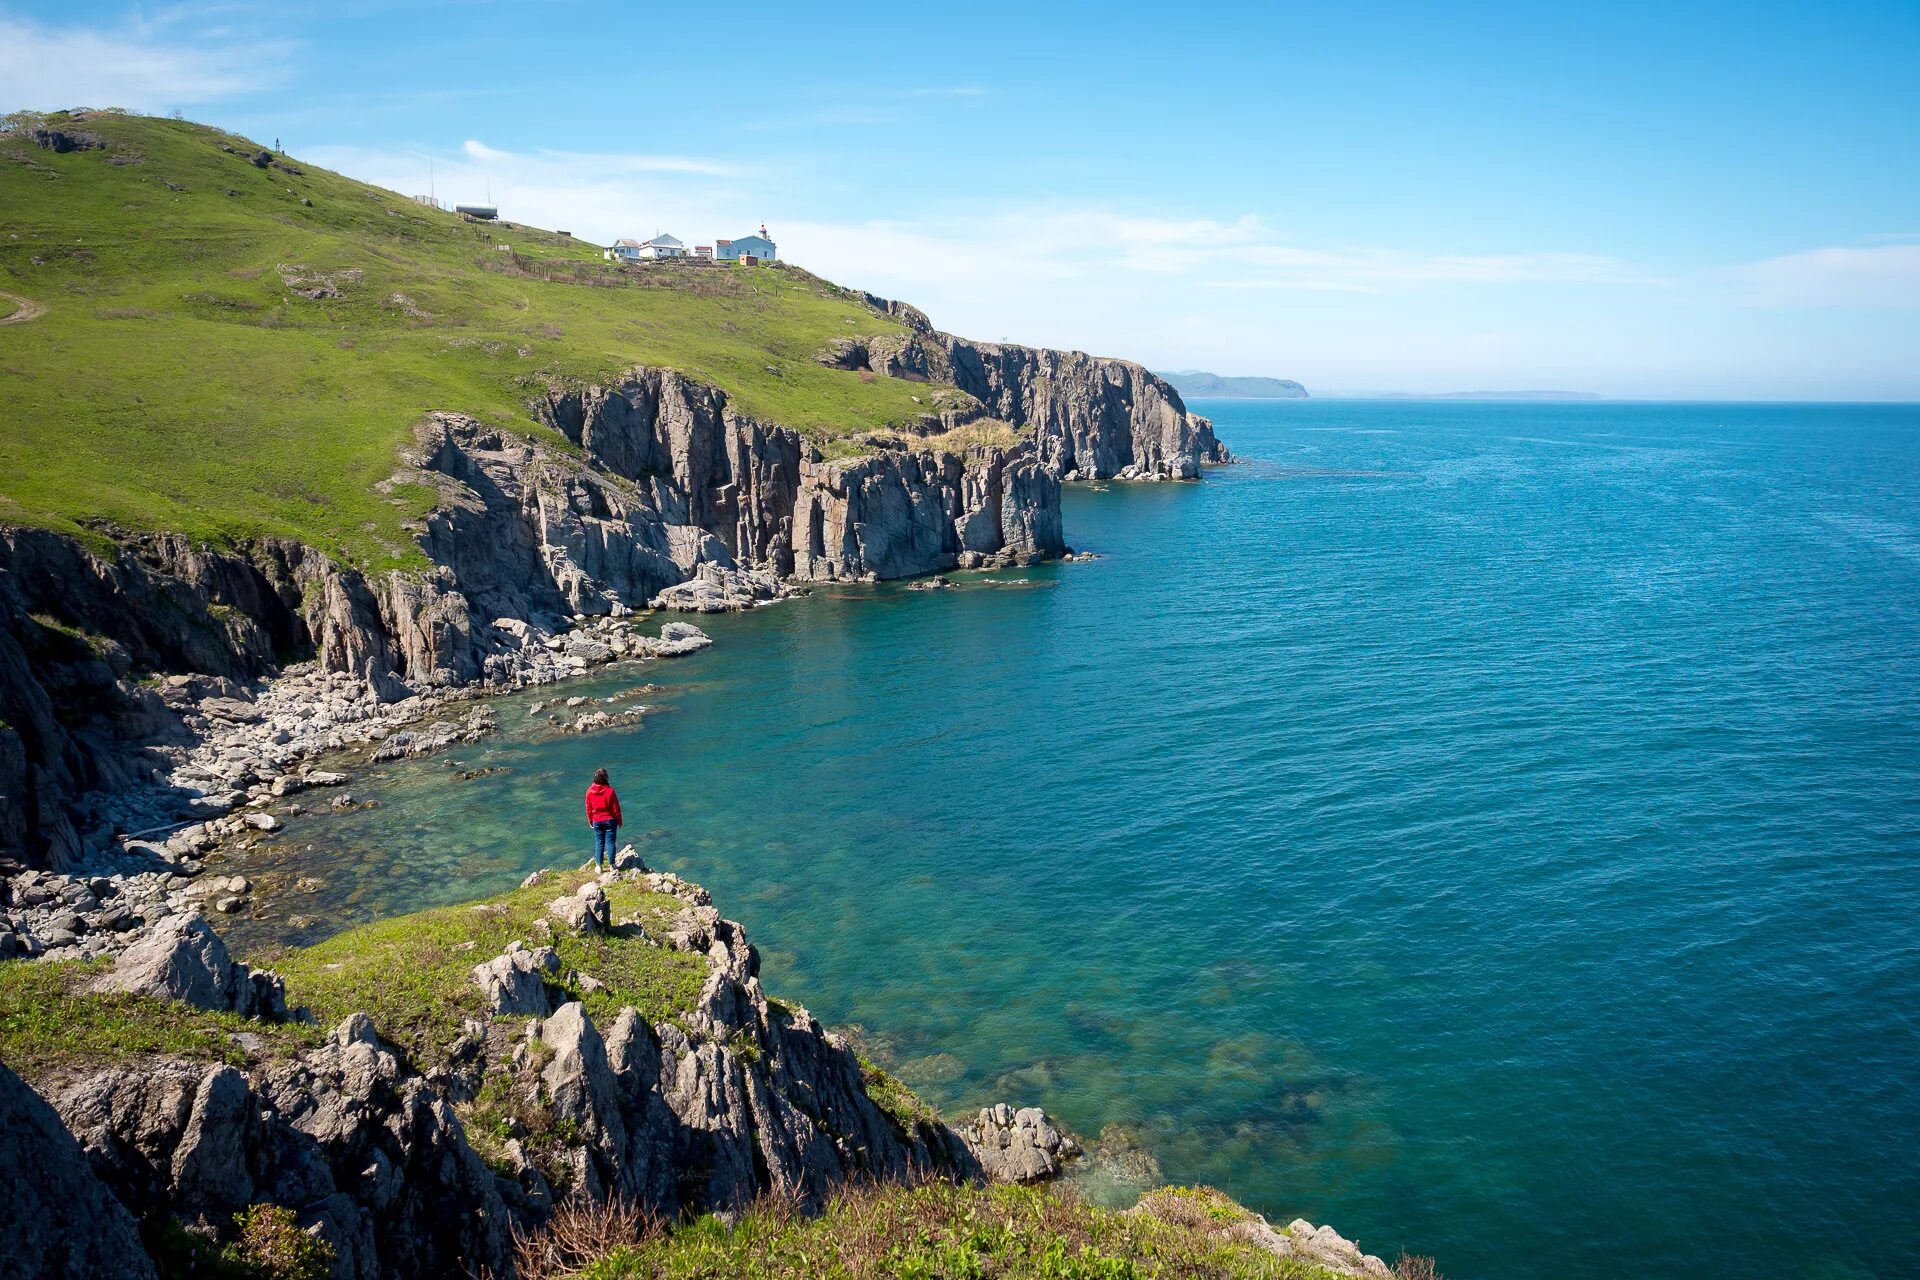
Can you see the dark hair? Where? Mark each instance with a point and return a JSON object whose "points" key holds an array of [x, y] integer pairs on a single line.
{"points": [[599, 777]]}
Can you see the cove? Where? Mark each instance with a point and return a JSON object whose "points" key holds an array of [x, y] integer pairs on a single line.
{"points": [[1491, 828]]}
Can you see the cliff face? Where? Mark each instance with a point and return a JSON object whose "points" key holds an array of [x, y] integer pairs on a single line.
{"points": [[643, 484], [1090, 417], [767, 498]]}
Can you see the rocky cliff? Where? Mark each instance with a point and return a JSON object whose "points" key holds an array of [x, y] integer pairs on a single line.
{"points": [[628, 490], [409, 1163], [1089, 417]]}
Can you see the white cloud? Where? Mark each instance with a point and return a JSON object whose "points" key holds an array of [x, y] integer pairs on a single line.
{"points": [[1886, 275], [596, 166], [172, 61], [1233, 293]]}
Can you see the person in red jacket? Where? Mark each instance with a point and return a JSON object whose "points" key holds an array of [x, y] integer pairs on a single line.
{"points": [[603, 815]]}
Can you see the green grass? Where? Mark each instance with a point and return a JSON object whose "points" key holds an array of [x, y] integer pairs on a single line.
{"points": [[412, 974], [176, 382], [47, 1022], [903, 1106], [933, 1232], [7, 307]]}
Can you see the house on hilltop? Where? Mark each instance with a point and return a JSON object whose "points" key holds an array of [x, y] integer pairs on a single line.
{"points": [[661, 246], [759, 246]]}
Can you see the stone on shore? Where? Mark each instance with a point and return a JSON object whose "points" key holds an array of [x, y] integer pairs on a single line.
{"points": [[1017, 1146]]}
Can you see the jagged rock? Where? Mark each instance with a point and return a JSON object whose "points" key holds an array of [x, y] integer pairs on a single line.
{"points": [[184, 959], [584, 911], [628, 859], [579, 1081], [1317, 1246], [515, 982], [676, 638], [1016, 1146], [57, 1218], [718, 588]]}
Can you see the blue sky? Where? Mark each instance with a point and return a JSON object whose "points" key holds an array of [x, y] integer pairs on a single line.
{"points": [[1659, 200]]}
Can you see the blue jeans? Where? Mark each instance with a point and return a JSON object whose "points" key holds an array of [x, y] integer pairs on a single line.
{"points": [[603, 841]]}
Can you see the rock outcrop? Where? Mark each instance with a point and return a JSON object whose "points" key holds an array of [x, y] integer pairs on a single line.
{"points": [[183, 959], [369, 1155], [1089, 417], [753, 495], [57, 1218], [735, 1099], [1017, 1146]]}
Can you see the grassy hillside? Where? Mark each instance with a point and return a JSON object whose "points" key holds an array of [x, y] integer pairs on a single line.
{"points": [[179, 378], [934, 1232]]}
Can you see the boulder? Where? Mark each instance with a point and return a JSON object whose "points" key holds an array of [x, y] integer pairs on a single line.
{"points": [[1017, 1146], [586, 910], [515, 981], [183, 959]]}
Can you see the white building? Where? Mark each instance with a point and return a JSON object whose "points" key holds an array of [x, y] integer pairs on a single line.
{"points": [[661, 246]]}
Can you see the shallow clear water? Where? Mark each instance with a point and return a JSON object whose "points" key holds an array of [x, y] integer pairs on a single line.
{"points": [[1493, 829]]}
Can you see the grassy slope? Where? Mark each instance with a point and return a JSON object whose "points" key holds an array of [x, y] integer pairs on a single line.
{"points": [[944, 1232], [48, 1024], [175, 381], [410, 974]]}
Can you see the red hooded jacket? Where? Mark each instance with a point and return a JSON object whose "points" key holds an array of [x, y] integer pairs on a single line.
{"points": [[603, 805]]}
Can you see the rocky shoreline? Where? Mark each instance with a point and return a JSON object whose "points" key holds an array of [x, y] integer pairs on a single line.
{"points": [[375, 1147], [651, 491]]}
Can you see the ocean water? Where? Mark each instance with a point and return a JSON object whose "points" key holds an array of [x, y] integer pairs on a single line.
{"points": [[1493, 829]]}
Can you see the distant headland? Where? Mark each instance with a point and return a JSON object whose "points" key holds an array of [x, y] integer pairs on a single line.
{"points": [[1197, 382], [1489, 395]]}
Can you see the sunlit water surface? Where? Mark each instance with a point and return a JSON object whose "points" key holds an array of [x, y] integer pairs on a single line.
{"points": [[1493, 829]]}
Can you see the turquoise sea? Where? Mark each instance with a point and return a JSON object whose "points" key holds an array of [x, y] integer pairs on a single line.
{"points": [[1493, 829]]}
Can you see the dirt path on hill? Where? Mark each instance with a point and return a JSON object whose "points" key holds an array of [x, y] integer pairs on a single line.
{"points": [[29, 309]]}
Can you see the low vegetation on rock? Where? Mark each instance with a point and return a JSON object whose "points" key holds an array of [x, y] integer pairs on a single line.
{"points": [[412, 974], [933, 1231], [50, 1023]]}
